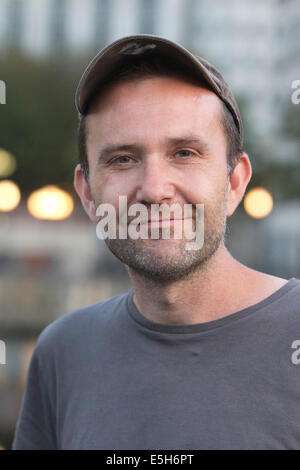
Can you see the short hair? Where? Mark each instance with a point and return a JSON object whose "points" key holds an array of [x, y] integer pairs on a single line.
{"points": [[159, 67]]}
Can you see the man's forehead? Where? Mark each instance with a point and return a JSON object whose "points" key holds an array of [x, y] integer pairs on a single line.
{"points": [[151, 90], [148, 116]]}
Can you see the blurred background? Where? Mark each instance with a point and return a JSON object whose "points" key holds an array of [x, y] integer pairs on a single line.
{"points": [[51, 261]]}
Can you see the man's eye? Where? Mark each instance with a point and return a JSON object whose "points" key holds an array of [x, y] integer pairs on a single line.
{"points": [[122, 159], [185, 153]]}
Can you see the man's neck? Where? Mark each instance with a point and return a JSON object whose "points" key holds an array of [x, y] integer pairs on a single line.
{"points": [[222, 287]]}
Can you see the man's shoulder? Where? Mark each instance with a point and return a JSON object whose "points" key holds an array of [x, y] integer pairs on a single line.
{"points": [[80, 322]]}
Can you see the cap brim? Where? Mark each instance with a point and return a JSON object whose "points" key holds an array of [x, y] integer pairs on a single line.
{"points": [[109, 59]]}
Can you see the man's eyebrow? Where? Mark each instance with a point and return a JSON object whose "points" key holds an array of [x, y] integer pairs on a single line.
{"points": [[184, 140], [190, 139]]}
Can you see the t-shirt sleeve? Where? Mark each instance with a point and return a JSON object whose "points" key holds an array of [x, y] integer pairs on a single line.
{"points": [[35, 427]]}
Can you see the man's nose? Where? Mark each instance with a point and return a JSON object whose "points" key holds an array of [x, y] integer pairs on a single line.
{"points": [[155, 182]]}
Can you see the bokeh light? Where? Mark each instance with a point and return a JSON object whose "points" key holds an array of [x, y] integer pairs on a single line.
{"points": [[7, 163], [10, 195], [50, 203], [258, 203]]}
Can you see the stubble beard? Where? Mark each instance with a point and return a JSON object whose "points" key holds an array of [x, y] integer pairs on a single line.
{"points": [[180, 263]]}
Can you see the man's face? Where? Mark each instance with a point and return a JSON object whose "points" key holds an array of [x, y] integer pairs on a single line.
{"points": [[160, 140]]}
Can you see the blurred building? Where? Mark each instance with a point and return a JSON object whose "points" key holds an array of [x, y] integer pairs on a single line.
{"points": [[255, 43], [50, 268]]}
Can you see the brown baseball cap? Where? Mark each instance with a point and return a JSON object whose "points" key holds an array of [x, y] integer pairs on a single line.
{"points": [[110, 59]]}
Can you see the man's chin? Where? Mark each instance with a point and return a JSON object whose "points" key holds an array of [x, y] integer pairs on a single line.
{"points": [[160, 248], [163, 261], [165, 271]]}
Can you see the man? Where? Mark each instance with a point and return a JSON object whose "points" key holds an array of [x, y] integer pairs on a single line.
{"points": [[202, 352]]}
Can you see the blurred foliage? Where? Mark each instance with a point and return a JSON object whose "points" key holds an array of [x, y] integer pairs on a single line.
{"points": [[39, 122], [291, 119], [39, 126], [283, 180], [279, 176], [284, 176], [252, 145]]}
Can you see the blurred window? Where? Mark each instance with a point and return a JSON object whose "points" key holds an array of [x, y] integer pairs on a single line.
{"points": [[147, 11], [15, 12]]}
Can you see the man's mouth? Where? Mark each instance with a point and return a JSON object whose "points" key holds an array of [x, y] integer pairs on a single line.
{"points": [[159, 222]]}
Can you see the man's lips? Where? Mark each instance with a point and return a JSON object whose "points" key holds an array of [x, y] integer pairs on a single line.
{"points": [[159, 223]]}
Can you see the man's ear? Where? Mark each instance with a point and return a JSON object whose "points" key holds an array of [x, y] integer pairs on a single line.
{"points": [[238, 182], [83, 190]]}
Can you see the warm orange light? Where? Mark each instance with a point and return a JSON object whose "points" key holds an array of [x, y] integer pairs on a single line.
{"points": [[258, 203], [7, 163], [50, 203], [10, 195]]}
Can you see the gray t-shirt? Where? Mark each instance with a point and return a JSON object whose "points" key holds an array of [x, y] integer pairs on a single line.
{"points": [[105, 377]]}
